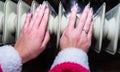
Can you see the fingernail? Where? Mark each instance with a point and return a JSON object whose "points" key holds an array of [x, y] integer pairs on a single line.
{"points": [[75, 6], [39, 5], [91, 9], [88, 5], [38, 8], [72, 8], [29, 11], [44, 3], [47, 8]]}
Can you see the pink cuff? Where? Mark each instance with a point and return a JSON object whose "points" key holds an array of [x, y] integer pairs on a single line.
{"points": [[0, 69], [69, 67]]}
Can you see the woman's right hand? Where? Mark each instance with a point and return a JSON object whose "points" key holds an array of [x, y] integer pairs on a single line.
{"points": [[79, 36]]}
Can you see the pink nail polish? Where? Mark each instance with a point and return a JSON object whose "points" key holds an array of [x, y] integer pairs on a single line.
{"points": [[88, 5], [91, 9], [39, 5], [44, 3], [76, 4]]}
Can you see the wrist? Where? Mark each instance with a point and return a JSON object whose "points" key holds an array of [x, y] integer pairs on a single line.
{"points": [[21, 53], [83, 49]]}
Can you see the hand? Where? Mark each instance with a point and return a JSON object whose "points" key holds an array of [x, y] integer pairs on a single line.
{"points": [[34, 37], [79, 36]]}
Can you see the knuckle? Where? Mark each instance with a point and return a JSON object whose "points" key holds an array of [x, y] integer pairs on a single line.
{"points": [[74, 37], [45, 19], [37, 21], [72, 17], [35, 16], [82, 20], [87, 26], [40, 15]]}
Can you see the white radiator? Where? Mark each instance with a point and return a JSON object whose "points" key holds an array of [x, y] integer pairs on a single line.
{"points": [[106, 25]]}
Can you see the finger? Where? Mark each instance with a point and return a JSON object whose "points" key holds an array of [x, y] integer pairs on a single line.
{"points": [[40, 15], [89, 19], [72, 17], [44, 21], [64, 32], [27, 21], [90, 31], [34, 16], [46, 39], [84, 34], [83, 18]]}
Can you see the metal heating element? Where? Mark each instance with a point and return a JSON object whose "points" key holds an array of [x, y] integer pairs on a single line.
{"points": [[106, 25]]}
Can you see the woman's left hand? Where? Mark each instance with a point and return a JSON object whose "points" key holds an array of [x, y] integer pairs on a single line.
{"points": [[34, 36]]}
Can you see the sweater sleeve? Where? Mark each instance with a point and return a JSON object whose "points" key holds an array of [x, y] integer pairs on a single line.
{"points": [[10, 61], [70, 60]]}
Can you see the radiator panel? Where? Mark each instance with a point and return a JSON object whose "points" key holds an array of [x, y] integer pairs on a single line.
{"points": [[23, 9], [112, 26], [106, 25], [9, 22], [1, 19], [99, 17]]}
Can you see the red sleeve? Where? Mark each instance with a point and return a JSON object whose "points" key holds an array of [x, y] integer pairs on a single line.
{"points": [[1, 69], [68, 67]]}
